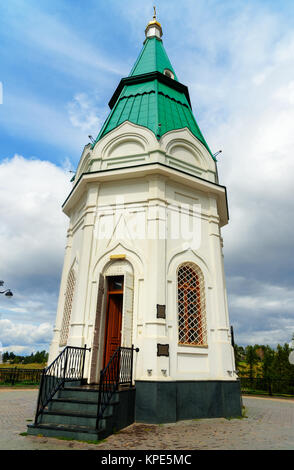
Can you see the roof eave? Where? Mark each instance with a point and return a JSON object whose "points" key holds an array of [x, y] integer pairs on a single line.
{"points": [[144, 170], [147, 77]]}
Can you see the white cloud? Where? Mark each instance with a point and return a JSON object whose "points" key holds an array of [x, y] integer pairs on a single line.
{"points": [[19, 337], [63, 125], [85, 115], [32, 240], [241, 80], [29, 117], [237, 60], [32, 224], [267, 297], [55, 39], [53, 61], [268, 336]]}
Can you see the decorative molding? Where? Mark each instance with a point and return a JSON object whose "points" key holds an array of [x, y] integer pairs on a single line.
{"points": [[117, 257]]}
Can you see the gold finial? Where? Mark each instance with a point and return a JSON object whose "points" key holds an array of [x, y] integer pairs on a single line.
{"points": [[153, 24]]}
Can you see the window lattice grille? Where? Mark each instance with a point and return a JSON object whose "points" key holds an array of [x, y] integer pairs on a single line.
{"points": [[67, 307], [191, 305]]}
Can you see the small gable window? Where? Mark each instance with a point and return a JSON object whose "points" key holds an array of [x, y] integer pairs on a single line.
{"points": [[168, 73]]}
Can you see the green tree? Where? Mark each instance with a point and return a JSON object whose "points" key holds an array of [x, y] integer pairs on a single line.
{"points": [[283, 368], [11, 357], [5, 356], [251, 359], [40, 357], [268, 362], [239, 353], [268, 368]]}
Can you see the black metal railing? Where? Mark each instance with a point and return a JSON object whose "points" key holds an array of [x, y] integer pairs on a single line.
{"points": [[15, 375], [67, 367], [119, 371], [267, 385]]}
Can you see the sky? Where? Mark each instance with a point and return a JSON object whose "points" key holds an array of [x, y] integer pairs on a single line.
{"points": [[60, 62]]}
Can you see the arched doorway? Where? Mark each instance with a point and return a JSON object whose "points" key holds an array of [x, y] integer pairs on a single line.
{"points": [[114, 314], [113, 320]]}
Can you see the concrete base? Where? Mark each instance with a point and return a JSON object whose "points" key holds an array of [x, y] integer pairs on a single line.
{"points": [[168, 402]]}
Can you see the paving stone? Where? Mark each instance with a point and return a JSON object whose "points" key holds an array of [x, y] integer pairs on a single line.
{"points": [[270, 425]]}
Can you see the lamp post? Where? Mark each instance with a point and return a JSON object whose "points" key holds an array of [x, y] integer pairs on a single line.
{"points": [[7, 292]]}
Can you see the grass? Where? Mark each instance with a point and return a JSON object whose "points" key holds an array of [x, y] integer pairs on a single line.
{"points": [[19, 385], [265, 394], [243, 415], [244, 411], [22, 366], [27, 382]]}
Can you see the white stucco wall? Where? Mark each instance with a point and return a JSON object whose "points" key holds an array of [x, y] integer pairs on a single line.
{"points": [[136, 182]]}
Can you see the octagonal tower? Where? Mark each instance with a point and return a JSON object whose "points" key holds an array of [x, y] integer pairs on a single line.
{"points": [[144, 263]]}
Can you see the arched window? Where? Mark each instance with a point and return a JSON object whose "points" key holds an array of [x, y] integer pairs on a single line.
{"points": [[191, 305], [168, 73], [70, 287]]}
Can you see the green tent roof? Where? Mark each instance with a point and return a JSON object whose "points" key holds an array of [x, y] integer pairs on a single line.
{"points": [[150, 99], [152, 58]]}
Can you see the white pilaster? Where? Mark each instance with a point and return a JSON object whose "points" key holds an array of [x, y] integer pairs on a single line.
{"points": [[79, 316], [54, 347]]}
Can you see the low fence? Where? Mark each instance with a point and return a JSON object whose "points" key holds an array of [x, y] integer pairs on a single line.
{"points": [[12, 376], [267, 386]]}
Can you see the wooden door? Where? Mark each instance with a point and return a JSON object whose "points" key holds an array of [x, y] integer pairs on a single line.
{"points": [[113, 318]]}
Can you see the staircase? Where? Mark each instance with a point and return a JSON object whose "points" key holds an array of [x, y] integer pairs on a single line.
{"points": [[72, 414], [69, 409]]}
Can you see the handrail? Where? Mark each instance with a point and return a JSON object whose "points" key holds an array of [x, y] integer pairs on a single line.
{"points": [[119, 371], [68, 366]]}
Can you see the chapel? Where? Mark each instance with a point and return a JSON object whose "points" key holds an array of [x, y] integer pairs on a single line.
{"points": [[143, 295]]}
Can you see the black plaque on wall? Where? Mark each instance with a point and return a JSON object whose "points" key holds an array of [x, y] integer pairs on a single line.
{"points": [[160, 311], [163, 350]]}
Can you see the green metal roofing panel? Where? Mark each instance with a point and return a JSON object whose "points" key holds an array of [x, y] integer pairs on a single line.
{"points": [[153, 101], [151, 109], [175, 115], [139, 109], [152, 58], [139, 88], [172, 93]]}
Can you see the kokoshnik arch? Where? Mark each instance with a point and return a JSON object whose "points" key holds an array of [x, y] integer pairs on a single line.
{"points": [[163, 292]]}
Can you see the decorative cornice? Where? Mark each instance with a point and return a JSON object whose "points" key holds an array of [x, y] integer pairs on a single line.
{"points": [[147, 77], [151, 167]]}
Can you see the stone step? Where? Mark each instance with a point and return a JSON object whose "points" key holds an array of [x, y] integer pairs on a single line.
{"points": [[83, 394], [71, 404], [68, 418], [68, 431], [79, 394], [81, 425], [77, 406]]}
